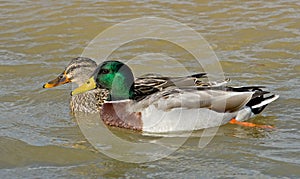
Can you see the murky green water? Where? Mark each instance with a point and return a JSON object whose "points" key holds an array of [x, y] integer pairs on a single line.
{"points": [[257, 42]]}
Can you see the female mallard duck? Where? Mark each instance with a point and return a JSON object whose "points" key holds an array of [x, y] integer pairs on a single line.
{"points": [[78, 71], [81, 68], [173, 108]]}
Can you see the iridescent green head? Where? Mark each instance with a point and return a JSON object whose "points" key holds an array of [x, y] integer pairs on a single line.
{"points": [[114, 76]]}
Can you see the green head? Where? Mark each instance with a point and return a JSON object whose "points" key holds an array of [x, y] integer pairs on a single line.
{"points": [[114, 76]]}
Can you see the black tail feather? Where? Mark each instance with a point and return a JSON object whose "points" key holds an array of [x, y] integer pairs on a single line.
{"points": [[198, 75], [260, 99]]}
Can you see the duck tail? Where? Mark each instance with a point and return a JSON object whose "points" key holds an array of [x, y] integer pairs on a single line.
{"points": [[258, 103]]}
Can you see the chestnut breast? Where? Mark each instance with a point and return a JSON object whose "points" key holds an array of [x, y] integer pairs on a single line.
{"points": [[117, 114]]}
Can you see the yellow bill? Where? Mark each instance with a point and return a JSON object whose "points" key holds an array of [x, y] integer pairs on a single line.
{"points": [[89, 85]]}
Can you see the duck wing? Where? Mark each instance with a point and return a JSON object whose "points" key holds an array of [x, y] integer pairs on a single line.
{"points": [[219, 99], [152, 83]]}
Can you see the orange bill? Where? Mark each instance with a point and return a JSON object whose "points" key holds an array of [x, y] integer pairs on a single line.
{"points": [[60, 80], [249, 124]]}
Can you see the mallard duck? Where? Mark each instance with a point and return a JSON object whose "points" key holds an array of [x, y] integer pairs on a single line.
{"points": [[81, 68], [173, 108], [78, 71]]}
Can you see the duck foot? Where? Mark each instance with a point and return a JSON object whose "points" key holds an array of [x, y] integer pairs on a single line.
{"points": [[249, 124]]}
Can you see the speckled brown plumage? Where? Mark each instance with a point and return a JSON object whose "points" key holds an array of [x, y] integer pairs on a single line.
{"points": [[89, 102]]}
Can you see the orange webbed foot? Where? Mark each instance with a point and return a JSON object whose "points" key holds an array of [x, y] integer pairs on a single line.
{"points": [[249, 124]]}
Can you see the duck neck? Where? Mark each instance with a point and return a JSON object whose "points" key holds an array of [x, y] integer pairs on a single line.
{"points": [[122, 93], [122, 89]]}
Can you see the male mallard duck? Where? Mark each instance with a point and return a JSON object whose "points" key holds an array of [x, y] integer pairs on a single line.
{"points": [[172, 108], [81, 68]]}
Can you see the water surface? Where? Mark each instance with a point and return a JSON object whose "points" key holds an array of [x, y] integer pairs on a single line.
{"points": [[257, 43]]}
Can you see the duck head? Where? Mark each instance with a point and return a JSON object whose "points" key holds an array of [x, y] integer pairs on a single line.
{"points": [[114, 76], [77, 71]]}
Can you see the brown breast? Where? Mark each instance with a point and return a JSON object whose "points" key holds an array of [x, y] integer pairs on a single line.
{"points": [[117, 114]]}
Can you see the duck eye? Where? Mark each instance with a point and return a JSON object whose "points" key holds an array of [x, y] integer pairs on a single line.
{"points": [[104, 71], [60, 77]]}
